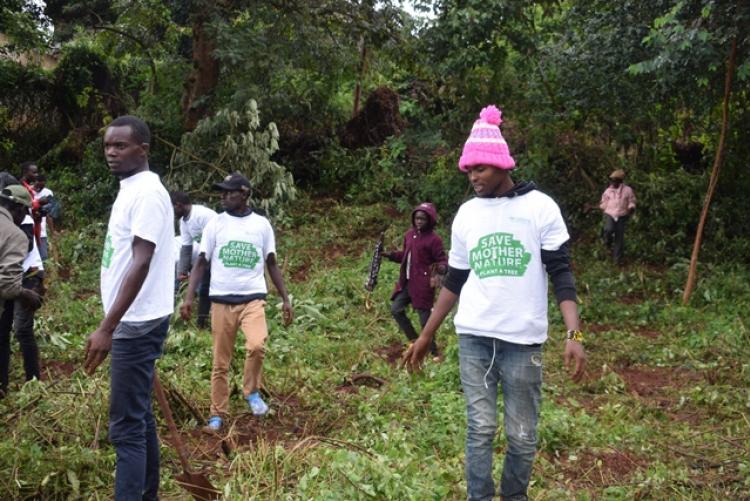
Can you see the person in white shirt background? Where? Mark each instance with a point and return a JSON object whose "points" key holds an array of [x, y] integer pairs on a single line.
{"points": [[193, 218], [44, 196]]}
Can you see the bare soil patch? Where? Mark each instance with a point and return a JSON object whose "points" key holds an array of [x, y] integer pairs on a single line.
{"points": [[644, 331], [289, 422], [600, 468], [391, 353], [597, 328], [56, 369], [650, 381]]}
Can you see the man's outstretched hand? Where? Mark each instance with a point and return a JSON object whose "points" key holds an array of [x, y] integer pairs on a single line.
{"points": [[415, 353]]}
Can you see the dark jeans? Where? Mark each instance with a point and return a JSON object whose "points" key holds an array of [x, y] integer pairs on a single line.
{"points": [[43, 248], [204, 303], [398, 310], [17, 315], [132, 428], [613, 234]]}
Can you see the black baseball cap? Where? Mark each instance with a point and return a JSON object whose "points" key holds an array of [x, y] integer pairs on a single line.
{"points": [[233, 182]]}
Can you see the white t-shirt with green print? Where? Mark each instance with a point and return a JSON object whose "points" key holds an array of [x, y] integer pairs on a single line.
{"points": [[142, 209], [191, 229], [500, 241], [237, 248]]}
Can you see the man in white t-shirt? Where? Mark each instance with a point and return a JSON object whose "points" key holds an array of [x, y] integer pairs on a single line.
{"points": [[193, 218], [137, 274], [237, 243], [504, 243]]}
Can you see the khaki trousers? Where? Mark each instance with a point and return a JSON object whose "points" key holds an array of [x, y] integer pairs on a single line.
{"points": [[225, 319]]}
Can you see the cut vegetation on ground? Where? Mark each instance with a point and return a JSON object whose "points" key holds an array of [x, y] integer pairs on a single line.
{"points": [[664, 412]]}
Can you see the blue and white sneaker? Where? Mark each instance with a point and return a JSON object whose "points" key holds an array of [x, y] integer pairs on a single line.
{"points": [[214, 423], [257, 405]]}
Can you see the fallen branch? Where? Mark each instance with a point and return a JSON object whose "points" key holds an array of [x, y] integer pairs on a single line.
{"points": [[95, 442], [356, 378]]}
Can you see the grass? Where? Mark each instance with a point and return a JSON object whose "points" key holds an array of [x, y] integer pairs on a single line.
{"points": [[662, 414]]}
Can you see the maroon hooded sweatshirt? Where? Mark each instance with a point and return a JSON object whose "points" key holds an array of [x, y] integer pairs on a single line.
{"points": [[426, 249]]}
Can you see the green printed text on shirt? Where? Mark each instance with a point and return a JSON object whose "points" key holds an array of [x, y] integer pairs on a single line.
{"points": [[498, 254], [108, 251], [237, 254]]}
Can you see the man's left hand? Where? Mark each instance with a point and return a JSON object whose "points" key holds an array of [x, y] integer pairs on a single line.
{"points": [[98, 346], [574, 353], [287, 313]]}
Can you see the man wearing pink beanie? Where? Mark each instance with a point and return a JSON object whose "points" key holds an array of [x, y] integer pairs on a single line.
{"points": [[504, 244]]}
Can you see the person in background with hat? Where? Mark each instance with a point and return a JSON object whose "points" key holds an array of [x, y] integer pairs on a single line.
{"points": [[505, 242], [16, 294], [618, 204], [238, 243], [137, 277]]}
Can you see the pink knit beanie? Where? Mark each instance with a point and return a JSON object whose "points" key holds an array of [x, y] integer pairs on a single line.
{"points": [[486, 145]]}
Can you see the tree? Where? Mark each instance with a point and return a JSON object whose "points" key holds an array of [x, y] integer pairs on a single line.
{"points": [[692, 38], [233, 141], [24, 25]]}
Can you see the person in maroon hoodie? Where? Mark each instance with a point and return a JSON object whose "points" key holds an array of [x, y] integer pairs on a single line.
{"points": [[422, 261]]}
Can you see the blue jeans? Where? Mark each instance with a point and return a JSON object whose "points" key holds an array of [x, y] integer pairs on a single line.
{"points": [[132, 429], [43, 248], [485, 363]]}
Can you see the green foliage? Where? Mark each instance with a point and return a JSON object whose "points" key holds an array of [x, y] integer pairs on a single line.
{"points": [[87, 190], [22, 22], [233, 141], [82, 79], [28, 118], [403, 439]]}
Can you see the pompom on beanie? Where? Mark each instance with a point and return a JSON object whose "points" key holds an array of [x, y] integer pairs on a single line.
{"points": [[486, 145]]}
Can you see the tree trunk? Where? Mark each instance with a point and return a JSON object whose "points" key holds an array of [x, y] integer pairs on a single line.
{"points": [[204, 77], [360, 75], [718, 160]]}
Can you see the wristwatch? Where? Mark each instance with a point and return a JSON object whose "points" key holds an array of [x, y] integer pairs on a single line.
{"points": [[575, 335]]}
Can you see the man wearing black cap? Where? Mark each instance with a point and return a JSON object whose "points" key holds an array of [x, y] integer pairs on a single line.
{"points": [[237, 243], [17, 298]]}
